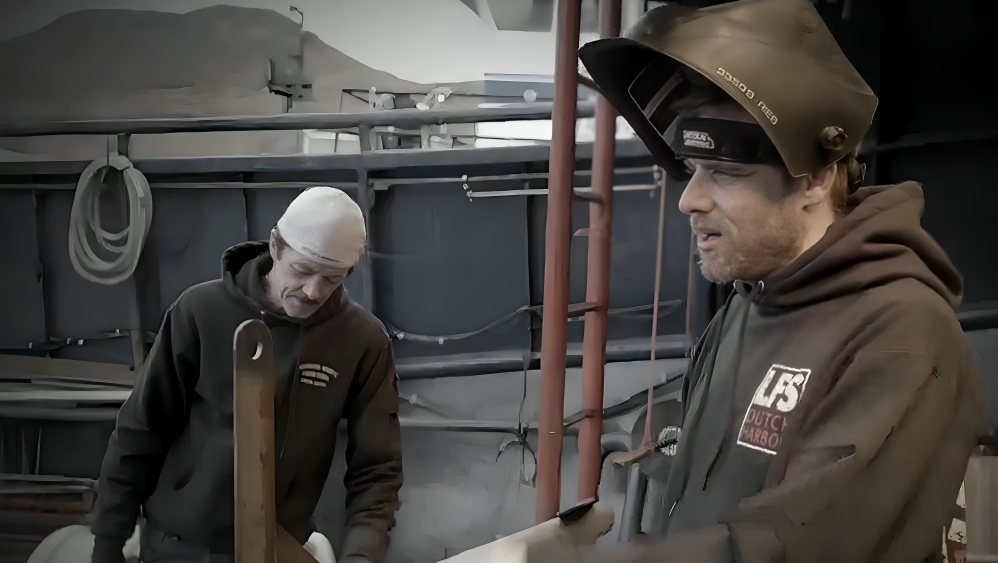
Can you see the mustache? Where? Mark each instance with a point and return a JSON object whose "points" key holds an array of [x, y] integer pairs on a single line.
{"points": [[297, 293], [700, 224]]}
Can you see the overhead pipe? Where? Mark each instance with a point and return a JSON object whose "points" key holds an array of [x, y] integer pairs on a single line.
{"points": [[554, 339], [598, 278], [401, 118]]}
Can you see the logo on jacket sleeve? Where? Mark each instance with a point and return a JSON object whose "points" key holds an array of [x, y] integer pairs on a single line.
{"points": [[774, 400], [315, 374]]}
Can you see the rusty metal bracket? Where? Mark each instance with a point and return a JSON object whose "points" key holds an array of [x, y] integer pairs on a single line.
{"points": [[580, 416]]}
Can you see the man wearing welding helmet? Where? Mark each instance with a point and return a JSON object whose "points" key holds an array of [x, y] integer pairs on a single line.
{"points": [[830, 407]]}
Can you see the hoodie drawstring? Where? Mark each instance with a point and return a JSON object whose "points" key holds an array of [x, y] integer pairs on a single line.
{"points": [[756, 289]]}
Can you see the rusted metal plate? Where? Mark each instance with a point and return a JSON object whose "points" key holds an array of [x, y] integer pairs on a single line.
{"points": [[253, 429]]}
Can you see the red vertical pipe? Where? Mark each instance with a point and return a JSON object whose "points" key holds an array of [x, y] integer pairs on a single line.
{"points": [[554, 338], [598, 277]]}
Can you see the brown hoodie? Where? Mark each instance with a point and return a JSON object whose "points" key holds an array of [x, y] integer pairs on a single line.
{"points": [[172, 449], [831, 410]]}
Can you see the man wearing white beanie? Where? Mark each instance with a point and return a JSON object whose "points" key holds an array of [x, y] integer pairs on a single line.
{"points": [[171, 455]]}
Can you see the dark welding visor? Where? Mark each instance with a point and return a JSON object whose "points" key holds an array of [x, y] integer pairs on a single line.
{"points": [[655, 99], [708, 138]]}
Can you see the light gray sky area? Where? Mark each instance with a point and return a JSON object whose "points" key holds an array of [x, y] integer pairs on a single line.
{"points": [[426, 41]]}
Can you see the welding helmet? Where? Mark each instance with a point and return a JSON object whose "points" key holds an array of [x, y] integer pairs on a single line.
{"points": [[776, 58]]}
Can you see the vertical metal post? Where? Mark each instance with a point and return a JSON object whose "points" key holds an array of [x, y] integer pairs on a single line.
{"points": [[634, 503], [365, 200], [598, 277], [554, 338]]}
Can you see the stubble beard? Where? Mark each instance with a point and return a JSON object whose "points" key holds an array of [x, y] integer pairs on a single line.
{"points": [[755, 259]]}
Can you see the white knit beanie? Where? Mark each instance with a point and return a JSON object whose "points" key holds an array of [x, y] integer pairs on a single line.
{"points": [[325, 225]]}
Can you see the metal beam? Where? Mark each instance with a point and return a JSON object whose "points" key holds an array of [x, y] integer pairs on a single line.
{"points": [[598, 278], [545, 191], [324, 163], [402, 118], [556, 263], [199, 185]]}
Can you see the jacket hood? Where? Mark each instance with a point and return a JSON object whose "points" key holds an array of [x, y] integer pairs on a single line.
{"points": [[880, 240], [242, 266]]}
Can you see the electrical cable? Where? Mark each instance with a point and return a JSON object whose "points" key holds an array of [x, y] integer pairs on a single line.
{"points": [[666, 308], [84, 219]]}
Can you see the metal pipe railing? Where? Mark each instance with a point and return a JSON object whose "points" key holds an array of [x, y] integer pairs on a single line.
{"points": [[384, 183], [598, 278], [554, 338], [289, 121]]}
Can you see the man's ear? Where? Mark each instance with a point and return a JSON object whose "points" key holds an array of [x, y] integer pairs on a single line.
{"points": [[819, 185], [273, 246]]}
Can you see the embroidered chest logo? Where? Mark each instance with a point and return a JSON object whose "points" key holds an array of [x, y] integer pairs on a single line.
{"points": [[774, 400], [314, 374]]}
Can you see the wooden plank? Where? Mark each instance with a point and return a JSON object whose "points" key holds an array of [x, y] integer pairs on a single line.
{"points": [[634, 456], [30, 366], [253, 429], [289, 550], [55, 504], [552, 540], [23, 522], [67, 395]]}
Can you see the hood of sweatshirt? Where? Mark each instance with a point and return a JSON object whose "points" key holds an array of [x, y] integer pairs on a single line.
{"points": [[879, 241], [242, 267]]}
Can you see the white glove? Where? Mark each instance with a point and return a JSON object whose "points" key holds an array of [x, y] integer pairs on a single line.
{"points": [[319, 547]]}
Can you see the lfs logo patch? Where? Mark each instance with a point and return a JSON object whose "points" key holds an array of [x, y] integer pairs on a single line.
{"points": [[776, 397]]}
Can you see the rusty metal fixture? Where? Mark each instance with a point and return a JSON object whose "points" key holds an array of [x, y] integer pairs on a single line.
{"points": [[598, 277], [554, 340]]}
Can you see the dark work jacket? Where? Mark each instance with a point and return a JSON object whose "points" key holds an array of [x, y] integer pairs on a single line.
{"points": [[830, 411], [172, 449]]}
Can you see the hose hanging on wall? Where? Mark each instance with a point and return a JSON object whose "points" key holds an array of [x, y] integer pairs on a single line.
{"points": [[85, 218]]}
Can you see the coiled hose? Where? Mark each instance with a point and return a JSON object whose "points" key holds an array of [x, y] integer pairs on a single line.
{"points": [[85, 218]]}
